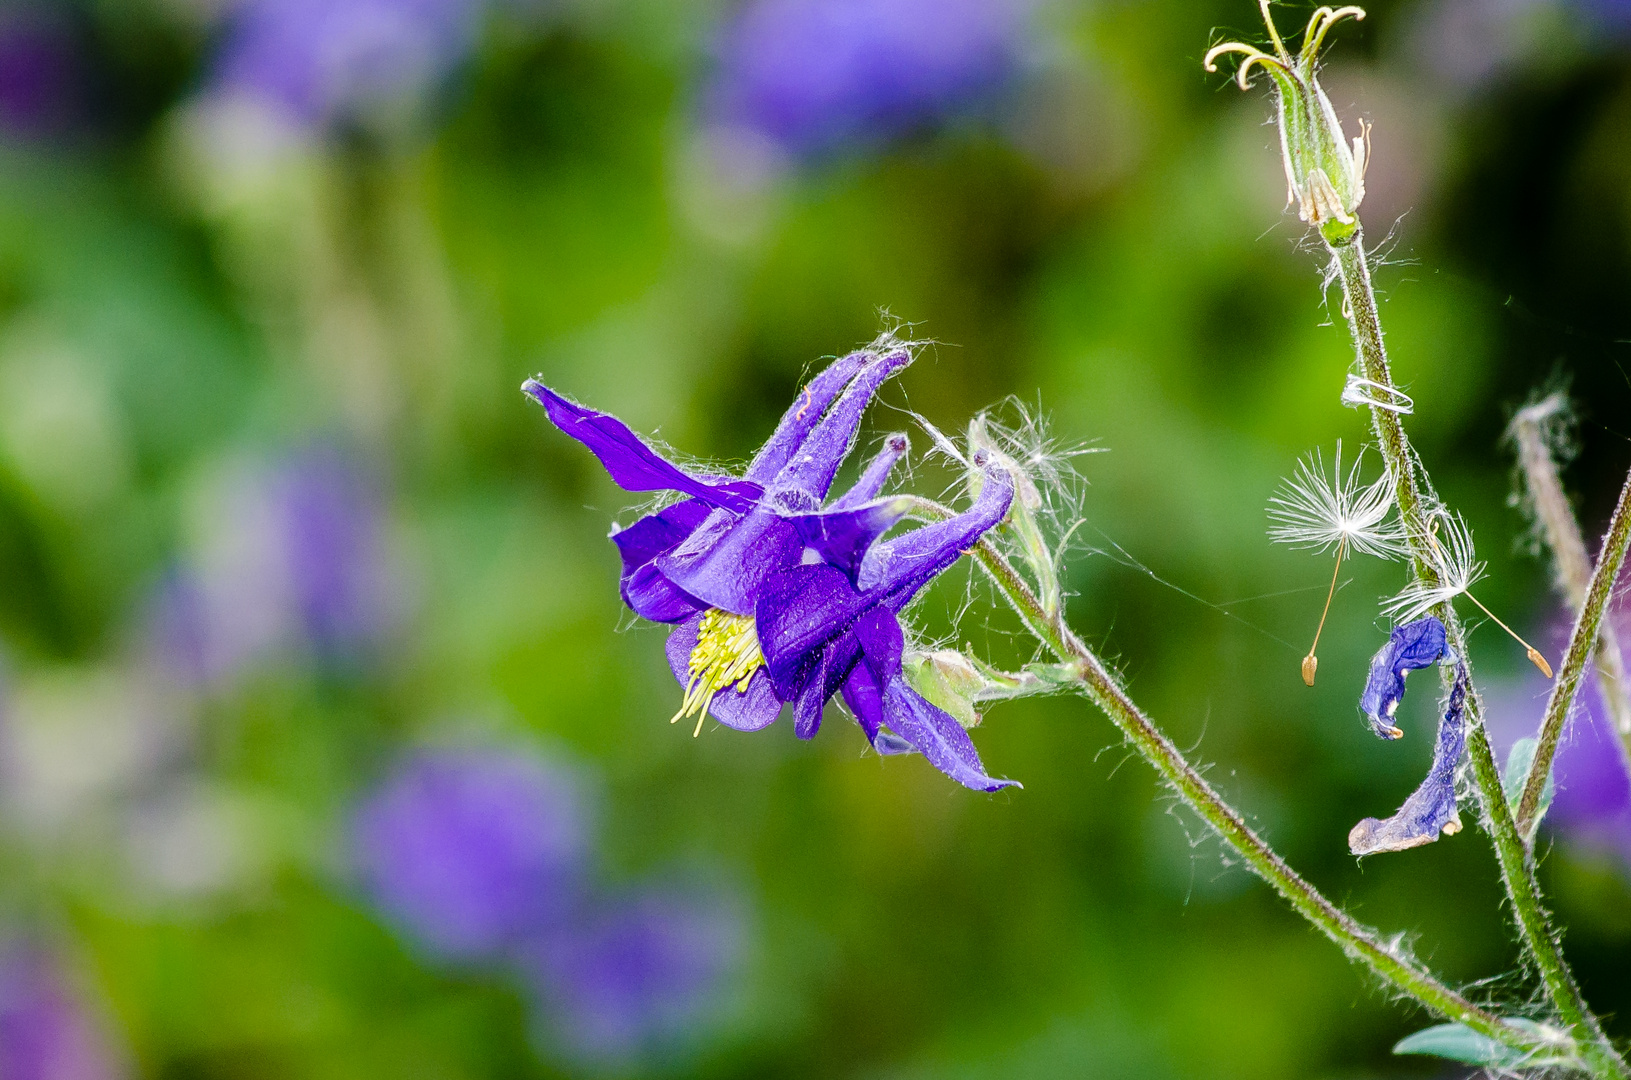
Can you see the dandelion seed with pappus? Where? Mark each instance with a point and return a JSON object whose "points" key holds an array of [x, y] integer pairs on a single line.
{"points": [[1456, 569], [1314, 511]]}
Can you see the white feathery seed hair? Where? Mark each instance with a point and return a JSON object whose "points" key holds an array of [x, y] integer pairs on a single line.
{"points": [[1313, 510], [1456, 562]]}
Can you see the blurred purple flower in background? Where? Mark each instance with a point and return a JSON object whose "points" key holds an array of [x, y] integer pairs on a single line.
{"points": [[41, 71], [810, 77], [639, 975], [468, 851], [484, 855], [291, 555], [320, 63], [1592, 806], [1593, 801], [46, 1032]]}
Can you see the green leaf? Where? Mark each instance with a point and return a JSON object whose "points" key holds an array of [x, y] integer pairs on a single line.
{"points": [[1518, 760], [1458, 1042]]}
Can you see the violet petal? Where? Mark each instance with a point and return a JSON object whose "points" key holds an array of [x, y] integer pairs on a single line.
{"points": [[803, 415], [644, 588], [804, 480], [936, 735], [896, 569], [632, 464], [875, 475], [724, 562], [841, 537], [925, 727], [865, 701], [799, 610], [657, 533]]}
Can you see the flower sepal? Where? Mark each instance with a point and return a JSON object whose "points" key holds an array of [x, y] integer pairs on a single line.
{"points": [[958, 683]]}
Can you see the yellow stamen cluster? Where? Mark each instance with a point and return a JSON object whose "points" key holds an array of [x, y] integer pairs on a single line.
{"points": [[725, 656]]}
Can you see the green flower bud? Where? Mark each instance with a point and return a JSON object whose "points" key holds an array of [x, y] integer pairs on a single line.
{"points": [[956, 683], [948, 679], [1325, 172]]}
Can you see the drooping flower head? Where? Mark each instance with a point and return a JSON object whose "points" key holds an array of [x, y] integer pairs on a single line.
{"points": [[812, 77], [1431, 808], [779, 598], [1313, 510], [1414, 645], [469, 851], [639, 975], [1325, 175]]}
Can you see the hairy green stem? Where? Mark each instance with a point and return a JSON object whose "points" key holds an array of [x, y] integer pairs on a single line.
{"points": [[1581, 645], [1517, 873], [1358, 941]]}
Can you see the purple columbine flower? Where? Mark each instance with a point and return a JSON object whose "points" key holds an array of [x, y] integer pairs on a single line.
{"points": [[1414, 645], [326, 62], [46, 1032], [1431, 808], [812, 76], [470, 851], [758, 561], [639, 975]]}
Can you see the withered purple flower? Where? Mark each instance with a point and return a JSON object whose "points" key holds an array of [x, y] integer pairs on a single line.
{"points": [[1414, 645], [756, 559], [1431, 808]]}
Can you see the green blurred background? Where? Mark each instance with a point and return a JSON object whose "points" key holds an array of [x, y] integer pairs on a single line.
{"points": [[193, 293]]}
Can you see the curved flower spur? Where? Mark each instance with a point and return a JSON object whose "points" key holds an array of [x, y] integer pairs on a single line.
{"points": [[778, 599]]}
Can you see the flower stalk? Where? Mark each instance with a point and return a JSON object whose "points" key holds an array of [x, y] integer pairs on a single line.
{"points": [[1311, 662], [1089, 676], [1517, 873], [1530, 430], [1582, 643]]}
